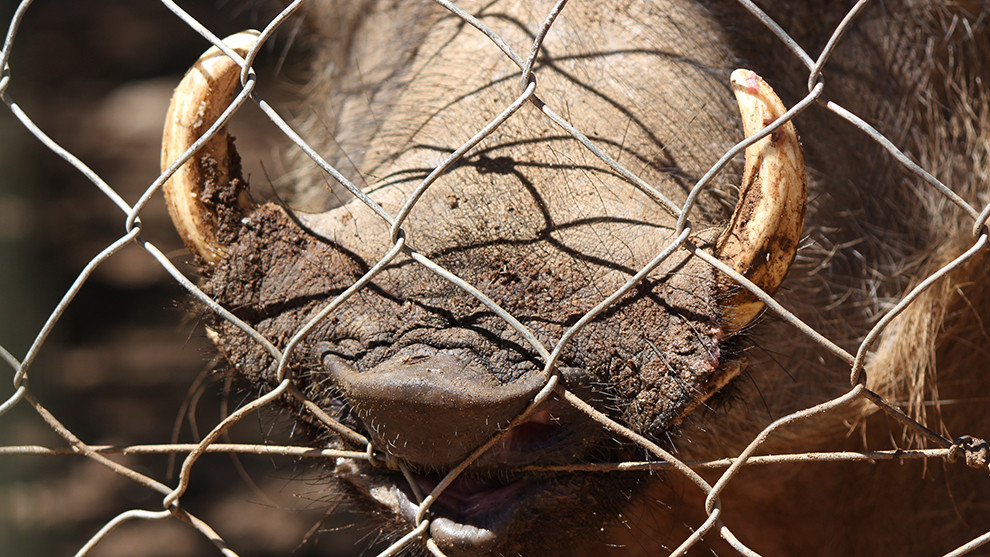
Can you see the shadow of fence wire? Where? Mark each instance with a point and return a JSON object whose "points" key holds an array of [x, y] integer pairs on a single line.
{"points": [[71, 423]]}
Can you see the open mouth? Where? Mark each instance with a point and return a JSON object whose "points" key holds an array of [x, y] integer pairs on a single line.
{"points": [[474, 514]]}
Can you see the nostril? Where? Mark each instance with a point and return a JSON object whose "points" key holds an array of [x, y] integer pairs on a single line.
{"points": [[431, 406]]}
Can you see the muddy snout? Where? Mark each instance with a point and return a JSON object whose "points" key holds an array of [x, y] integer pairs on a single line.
{"points": [[431, 406]]}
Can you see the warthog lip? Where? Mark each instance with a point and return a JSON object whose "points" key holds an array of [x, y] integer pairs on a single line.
{"points": [[473, 515]]}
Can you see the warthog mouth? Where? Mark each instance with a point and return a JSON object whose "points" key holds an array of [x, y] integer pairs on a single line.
{"points": [[471, 517], [500, 494]]}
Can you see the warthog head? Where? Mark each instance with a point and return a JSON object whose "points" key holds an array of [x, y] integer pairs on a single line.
{"points": [[481, 316]]}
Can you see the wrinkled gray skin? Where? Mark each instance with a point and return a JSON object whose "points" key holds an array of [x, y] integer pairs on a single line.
{"points": [[546, 230]]}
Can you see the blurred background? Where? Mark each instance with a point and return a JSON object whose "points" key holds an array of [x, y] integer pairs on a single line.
{"points": [[127, 363]]}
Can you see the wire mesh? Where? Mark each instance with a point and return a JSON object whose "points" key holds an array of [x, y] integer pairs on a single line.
{"points": [[134, 233]]}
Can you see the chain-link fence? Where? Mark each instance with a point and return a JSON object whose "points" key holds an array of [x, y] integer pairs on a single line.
{"points": [[141, 232]]}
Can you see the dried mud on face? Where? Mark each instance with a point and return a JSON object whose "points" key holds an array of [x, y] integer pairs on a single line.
{"points": [[278, 275]]}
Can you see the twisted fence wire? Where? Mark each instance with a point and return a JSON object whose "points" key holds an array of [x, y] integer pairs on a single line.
{"points": [[171, 505]]}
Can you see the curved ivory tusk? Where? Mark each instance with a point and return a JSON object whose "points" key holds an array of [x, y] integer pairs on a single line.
{"points": [[765, 229], [202, 191]]}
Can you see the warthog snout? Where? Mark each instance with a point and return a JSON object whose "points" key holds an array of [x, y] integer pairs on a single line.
{"points": [[431, 406]]}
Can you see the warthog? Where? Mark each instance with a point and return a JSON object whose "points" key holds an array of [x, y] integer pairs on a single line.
{"points": [[466, 327]]}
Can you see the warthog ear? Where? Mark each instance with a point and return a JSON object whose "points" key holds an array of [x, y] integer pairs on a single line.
{"points": [[206, 196], [765, 229]]}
